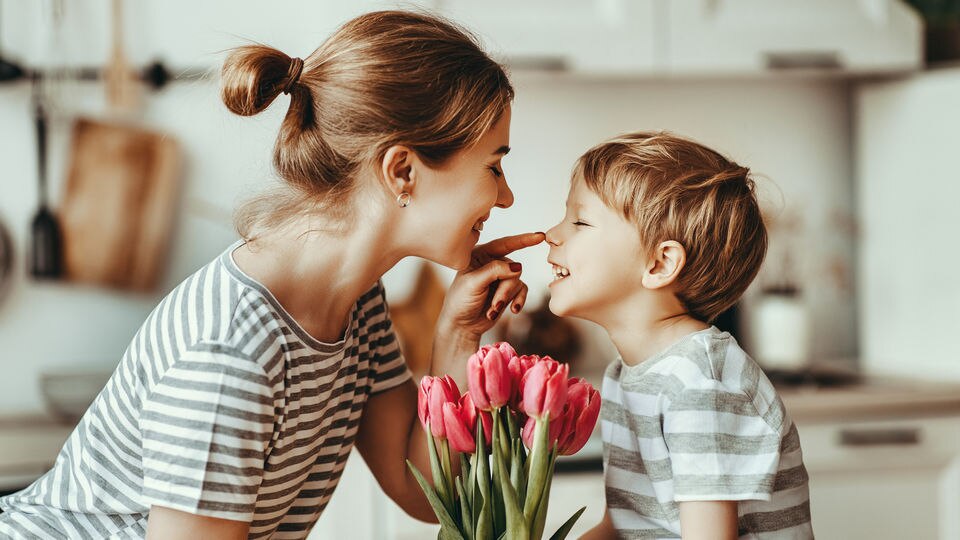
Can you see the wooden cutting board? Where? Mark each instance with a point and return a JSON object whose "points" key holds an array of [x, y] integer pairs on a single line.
{"points": [[119, 204]]}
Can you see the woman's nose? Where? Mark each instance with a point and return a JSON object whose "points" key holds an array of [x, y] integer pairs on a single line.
{"points": [[504, 194]]}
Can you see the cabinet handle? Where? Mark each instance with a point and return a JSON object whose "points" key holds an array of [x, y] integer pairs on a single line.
{"points": [[878, 437], [784, 60]]}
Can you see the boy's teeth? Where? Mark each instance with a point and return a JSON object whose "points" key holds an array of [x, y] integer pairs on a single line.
{"points": [[560, 272]]}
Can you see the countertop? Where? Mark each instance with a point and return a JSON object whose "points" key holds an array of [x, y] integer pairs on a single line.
{"points": [[871, 399]]}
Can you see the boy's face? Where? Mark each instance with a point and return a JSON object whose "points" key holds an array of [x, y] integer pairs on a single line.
{"points": [[596, 258]]}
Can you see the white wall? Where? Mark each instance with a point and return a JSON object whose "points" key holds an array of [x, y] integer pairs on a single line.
{"points": [[793, 131], [908, 133]]}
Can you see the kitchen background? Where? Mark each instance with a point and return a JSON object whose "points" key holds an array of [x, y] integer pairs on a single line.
{"points": [[850, 129]]}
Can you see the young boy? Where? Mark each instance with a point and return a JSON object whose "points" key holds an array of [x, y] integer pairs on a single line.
{"points": [[660, 236]]}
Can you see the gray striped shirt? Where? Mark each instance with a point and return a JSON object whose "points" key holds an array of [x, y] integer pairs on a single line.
{"points": [[221, 406], [700, 422]]}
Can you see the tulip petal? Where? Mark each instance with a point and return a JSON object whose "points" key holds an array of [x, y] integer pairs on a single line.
{"points": [[460, 438]]}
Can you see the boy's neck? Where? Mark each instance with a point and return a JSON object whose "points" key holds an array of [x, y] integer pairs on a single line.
{"points": [[651, 331]]}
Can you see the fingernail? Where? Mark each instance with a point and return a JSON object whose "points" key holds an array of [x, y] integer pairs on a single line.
{"points": [[500, 306], [493, 315], [516, 308], [515, 267]]}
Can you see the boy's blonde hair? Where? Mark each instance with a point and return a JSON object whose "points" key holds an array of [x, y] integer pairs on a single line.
{"points": [[675, 189]]}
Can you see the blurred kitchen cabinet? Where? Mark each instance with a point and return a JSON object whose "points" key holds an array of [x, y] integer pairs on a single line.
{"points": [[607, 37], [884, 479], [569, 493], [906, 134], [717, 37], [28, 449]]}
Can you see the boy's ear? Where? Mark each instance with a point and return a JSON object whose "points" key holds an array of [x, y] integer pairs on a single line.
{"points": [[397, 170], [664, 266]]}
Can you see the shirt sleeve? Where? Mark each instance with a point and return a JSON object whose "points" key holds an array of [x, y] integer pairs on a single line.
{"points": [[389, 367], [205, 427], [720, 447]]}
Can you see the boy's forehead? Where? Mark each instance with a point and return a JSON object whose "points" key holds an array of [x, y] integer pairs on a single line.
{"points": [[579, 194]]}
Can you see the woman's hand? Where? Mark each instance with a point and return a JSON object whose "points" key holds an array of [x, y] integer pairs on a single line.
{"points": [[478, 297]]}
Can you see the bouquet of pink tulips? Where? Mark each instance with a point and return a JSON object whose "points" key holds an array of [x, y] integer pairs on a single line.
{"points": [[519, 414]]}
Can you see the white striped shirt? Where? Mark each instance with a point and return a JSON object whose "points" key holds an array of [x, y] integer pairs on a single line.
{"points": [[221, 406], [700, 422]]}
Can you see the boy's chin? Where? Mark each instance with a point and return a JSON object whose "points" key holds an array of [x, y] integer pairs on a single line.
{"points": [[560, 309]]}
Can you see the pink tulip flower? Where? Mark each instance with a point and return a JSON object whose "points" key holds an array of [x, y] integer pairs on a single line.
{"points": [[488, 375], [456, 425], [579, 417], [571, 429], [517, 367], [470, 415], [433, 393], [544, 389]]}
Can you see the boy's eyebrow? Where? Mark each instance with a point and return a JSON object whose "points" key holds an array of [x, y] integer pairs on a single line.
{"points": [[503, 150]]}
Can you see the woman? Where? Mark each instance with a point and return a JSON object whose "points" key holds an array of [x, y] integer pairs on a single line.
{"points": [[233, 411]]}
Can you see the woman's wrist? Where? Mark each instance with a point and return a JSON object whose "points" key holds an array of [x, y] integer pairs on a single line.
{"points": [[451, 348]]}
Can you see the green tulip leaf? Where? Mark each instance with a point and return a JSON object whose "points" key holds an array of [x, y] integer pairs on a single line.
{"points": [[539, 469], [437, 472], [564, 529], [447, 524], [541, 517], [517, 527], [466, 524]]}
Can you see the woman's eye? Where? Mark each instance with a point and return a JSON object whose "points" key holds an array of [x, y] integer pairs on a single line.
{"points": [[496, 172], [581, 224]]}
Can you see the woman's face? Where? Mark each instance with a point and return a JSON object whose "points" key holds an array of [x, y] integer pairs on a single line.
{"points": [[454, 200]]}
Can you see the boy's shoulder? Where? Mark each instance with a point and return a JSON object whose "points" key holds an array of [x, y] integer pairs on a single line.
{"points": [[708, 359], [706, 370]]}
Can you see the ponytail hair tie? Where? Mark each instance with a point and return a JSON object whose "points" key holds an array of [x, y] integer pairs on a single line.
{"points": [[293, 74]]}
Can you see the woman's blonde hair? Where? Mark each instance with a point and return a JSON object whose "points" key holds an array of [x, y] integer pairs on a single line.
{"points": [[382, 79], [676, 189]]}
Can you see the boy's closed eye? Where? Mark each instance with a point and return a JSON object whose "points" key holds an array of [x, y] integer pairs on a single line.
{"points": [[580, 223]]}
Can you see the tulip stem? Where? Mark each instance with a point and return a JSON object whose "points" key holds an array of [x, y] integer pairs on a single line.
{"points": [[448, 474]]}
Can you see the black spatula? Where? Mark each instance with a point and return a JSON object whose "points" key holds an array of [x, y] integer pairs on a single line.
{"points": [[46, 255]]}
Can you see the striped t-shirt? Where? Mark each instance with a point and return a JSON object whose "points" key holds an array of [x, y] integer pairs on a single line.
{"points": [[700, 422], [222, 406]]}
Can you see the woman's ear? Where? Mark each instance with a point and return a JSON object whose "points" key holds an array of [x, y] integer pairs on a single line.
{"points": [[665, 265], [397, 170]]}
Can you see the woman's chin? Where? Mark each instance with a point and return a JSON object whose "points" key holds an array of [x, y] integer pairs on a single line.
{"points": [[459, 261]]}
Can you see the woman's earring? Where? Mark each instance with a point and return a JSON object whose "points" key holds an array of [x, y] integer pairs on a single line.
{"points": [[403, 199]]}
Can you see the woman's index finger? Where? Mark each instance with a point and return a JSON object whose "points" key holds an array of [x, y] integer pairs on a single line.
{"points": [[508, 244]]}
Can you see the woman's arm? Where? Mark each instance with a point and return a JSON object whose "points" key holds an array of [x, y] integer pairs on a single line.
{"points": [[713, 520], [165, 523], [389, 434]]}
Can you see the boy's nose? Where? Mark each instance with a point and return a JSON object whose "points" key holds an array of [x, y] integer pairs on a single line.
{"points": [[552, 237]]}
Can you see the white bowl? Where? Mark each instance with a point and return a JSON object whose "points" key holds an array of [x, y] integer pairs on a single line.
{"points": [[68, 394]]}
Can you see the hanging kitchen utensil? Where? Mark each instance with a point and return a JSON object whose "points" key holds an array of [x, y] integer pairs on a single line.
{"points": [[46, 260], [6, 260], [9, 71], [119, 77]]}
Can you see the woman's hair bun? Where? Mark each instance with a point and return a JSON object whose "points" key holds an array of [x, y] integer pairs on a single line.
{"points": [[252, 77]]}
